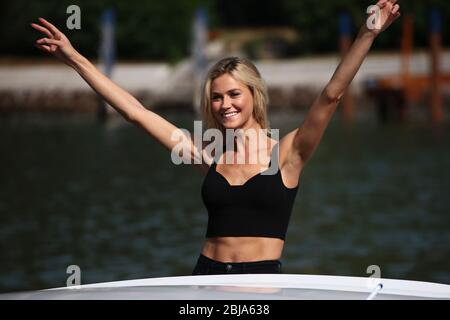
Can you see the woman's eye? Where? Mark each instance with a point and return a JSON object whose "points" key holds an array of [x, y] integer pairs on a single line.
{"points": [[215, 98], [235, 94]]}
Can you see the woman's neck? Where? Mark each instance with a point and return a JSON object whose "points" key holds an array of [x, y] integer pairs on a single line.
{"points": [[250, 138]]}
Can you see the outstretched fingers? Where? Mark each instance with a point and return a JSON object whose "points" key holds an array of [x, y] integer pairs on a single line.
{"points": [[51, 27], [41, 29], [395, 11], [48, 41], [382, 3], [43, 47]]}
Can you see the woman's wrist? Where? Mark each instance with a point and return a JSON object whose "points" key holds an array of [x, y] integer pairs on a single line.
{"points": [[365, 32], [77, 61]]}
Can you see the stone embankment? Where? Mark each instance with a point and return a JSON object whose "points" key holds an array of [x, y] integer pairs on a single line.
{"points": [[37, 87]]}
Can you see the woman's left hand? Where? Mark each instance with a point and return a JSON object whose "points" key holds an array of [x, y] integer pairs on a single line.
{"points": [[380, 18]]}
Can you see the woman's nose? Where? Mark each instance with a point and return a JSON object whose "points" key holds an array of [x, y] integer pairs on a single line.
{"points": [[226, 102]]}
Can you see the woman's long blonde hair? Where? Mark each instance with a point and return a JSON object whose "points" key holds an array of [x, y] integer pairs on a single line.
{"points": [[245, 72]]}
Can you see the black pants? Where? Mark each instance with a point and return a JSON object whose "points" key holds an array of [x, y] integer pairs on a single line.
{"points": [[207, 266]]}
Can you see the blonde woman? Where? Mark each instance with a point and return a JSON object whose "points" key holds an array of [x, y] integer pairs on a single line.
{"points": [[248, 209]]}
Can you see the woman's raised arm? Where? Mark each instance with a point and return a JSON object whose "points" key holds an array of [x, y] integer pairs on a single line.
{"points": [[303, 141], [57, 44]]}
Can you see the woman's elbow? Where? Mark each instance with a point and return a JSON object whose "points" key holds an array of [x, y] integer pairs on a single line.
{"points": [[332, 95]]}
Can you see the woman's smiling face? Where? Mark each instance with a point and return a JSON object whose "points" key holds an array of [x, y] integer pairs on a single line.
{"points": [[232, 103]]}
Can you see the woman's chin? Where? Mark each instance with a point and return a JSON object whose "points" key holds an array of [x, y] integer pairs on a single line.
{"points": [[231, 124]]}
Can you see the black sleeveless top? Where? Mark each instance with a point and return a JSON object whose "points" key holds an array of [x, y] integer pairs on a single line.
{"points": [[261, 207]]}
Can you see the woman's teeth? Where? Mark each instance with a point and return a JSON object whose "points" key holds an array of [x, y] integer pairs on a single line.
{"points": [[230, 115]]}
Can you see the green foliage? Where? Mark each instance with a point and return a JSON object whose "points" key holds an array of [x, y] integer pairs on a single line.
{"points": [[150, 30], [161, 30], [317, 22]]}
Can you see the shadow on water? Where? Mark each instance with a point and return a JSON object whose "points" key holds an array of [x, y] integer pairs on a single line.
{"points": [[108, 199]]}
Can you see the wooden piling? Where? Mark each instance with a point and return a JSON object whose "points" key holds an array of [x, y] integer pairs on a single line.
{"points": [[345, 42], [436, 103], [407, 44]]}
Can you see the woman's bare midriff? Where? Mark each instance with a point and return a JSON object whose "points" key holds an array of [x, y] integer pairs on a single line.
{"points": [[243, 249]]}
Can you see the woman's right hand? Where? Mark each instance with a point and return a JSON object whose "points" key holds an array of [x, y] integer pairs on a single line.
{"points": [[56, 43]]}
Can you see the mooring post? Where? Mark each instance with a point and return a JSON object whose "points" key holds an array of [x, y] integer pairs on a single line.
{"points": [[436, 103], [345, 41]]}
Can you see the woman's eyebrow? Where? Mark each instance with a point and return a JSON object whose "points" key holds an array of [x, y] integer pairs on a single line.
{"points": [[231, 90]]}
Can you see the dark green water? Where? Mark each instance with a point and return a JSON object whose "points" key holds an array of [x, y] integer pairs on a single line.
{"points": [[108, 199]]}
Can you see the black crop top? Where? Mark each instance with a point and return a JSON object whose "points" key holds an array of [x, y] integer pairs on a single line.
{"points": [[261, 207]]}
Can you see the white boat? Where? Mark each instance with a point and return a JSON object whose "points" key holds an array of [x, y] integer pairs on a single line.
{"points": [[244, 287]]}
